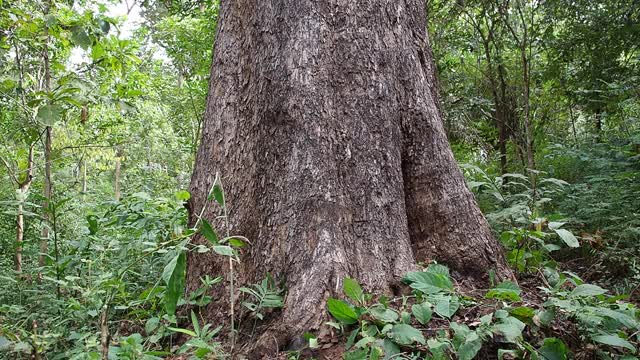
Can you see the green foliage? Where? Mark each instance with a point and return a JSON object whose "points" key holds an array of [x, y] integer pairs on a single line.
{"points": [[506, 290], [201, 342], [386, 329], [119, 99], [432, 281], [174, 278], [266, 295]]}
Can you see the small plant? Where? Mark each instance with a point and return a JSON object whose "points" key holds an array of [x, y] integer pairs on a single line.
{"points": [[201, 339], [265, 295], [602, 319]]}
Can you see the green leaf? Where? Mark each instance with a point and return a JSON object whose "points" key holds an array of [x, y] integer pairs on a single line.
{"points": [[174, 277], [362, 343], [523, 313], [405, 334], [567, 237], [438, 269], [194, 321], [553, 349], [390, 349], [383, 314], [422, 312], [544, 317], [554, 225], [624, 319], [352, 338], [236, 243], [49, 114], [151, 325], [341, 311], [184, 331], [217, 194], [429, 282], [183, 195], [511, 328], [105, 26], [506, 290], [446, 306], [359, 354], [587, 290], [353, 290], [470, 347], [614, 340], [80, 37], [223, 250], [208, 232], [92, 222]]}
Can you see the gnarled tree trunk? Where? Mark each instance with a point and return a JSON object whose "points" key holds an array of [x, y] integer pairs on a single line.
{"points": [[322, 119]]}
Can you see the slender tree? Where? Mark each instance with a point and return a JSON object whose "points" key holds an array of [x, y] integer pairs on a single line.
{"points": [[323, 120]]}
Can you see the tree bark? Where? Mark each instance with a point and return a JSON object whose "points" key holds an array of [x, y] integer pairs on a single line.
{"points": [[322, 118]]}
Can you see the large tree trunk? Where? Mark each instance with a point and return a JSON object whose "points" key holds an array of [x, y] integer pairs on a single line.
{"points": [[322, 119]]}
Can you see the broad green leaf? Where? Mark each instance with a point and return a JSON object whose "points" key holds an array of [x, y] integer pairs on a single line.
{"points": [[511, 328], [506, 290], [422, 312], [341, 311], [353, 290], [174, 277], [587, 290], [522, 313], [80, 37], [359, 354], [624, 319], [151, 325], [183, 195], [438, 348], [544, 317], [223, 250], [446, 306], [207, 231], [236, 243], [404, 334], [567, 237], [553, 349], [49, 114], [438, 269], [379, 312], [472, 344], [429, 282], [390, 348], [614, 340]]}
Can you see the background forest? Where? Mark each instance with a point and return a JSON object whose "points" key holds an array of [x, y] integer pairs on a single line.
{"points": [[100, 120]]}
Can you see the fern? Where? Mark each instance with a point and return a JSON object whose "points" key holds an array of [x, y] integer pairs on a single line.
{"points": [[266, 295]]}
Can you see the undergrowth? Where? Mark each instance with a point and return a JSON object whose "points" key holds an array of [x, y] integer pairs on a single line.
{"points": [[570, 233]]}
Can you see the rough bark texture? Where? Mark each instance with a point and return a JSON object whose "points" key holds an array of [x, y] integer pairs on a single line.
{"points": [[322, 119]]}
